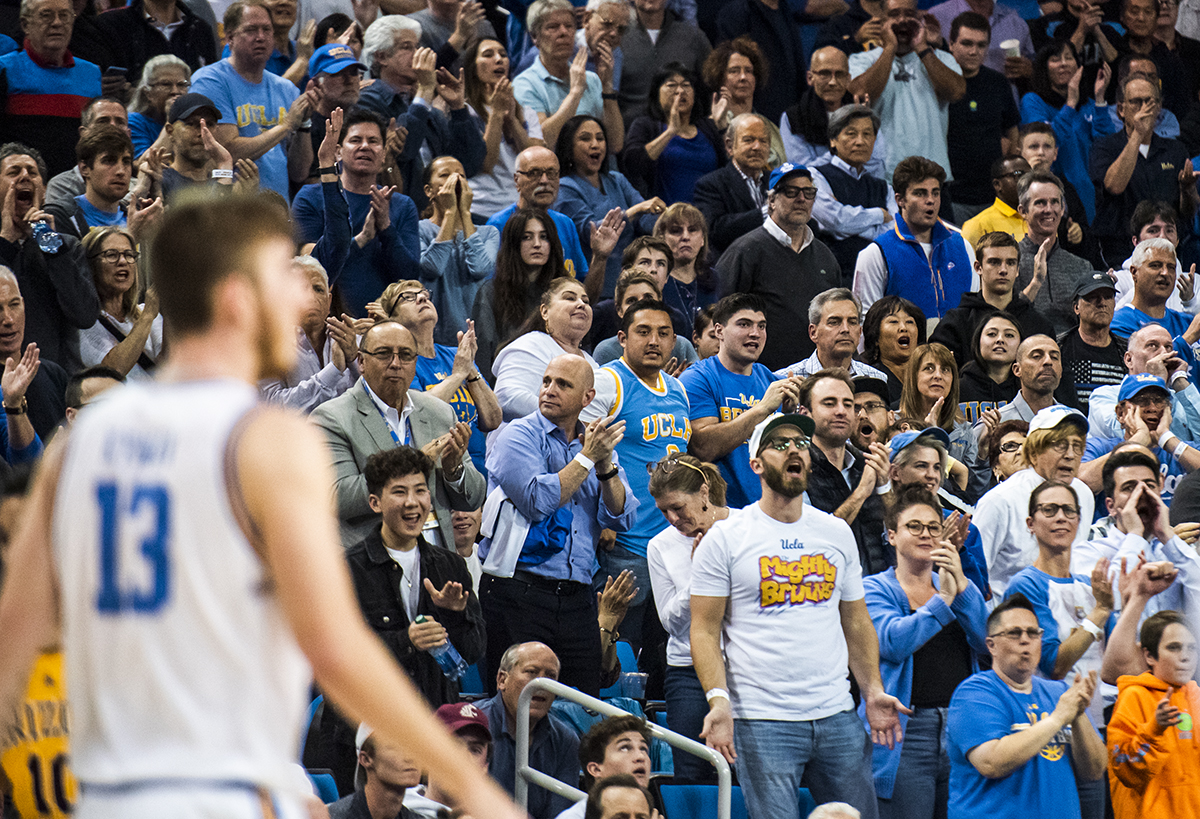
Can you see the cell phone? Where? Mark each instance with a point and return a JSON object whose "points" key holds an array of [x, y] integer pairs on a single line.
{"points": [[116, 71]]}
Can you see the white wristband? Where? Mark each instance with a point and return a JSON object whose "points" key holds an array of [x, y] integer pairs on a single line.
{"points": [[1162, 439], [221, 173], [712, 693], [1091, 628], [1179, 450], [584, 461]]}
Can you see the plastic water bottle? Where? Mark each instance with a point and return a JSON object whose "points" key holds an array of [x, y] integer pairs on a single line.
{"points": [[447, 656], [47, 239]]}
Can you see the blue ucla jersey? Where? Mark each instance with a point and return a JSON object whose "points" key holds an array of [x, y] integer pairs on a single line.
{"points": [[656, 424], [433, 371]]}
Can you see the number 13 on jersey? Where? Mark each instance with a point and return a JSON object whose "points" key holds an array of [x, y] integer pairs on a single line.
{"points": [[133, 581]]}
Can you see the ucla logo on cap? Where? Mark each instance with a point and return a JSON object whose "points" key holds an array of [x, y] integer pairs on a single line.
{"points": [[1142, 378], [341, 51]]}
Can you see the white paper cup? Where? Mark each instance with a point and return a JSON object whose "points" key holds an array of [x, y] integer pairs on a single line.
{"points": [[1012, 48]]}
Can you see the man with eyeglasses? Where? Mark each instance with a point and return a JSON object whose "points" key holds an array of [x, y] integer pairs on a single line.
{"points": [[44, 88], [921, 258], [778, 569], [263, 116], [1002, 214], [536, 180], [1018, 742], [1144, 412], [1053, 450], [380, 412], [1136, 164], [783, 263], [1049, 273]]}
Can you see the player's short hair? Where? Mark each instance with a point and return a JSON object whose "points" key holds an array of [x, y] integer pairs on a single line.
{"points": [[702, 321], [594, 744], [1035, 128], [20, 149], [1147, 211], [1152, 630], [996, 238], [972, 20], [1046, 486], [202, 241], [689, 479], [237, 10], [735, 303], [389, 464], [357, 116], [1031, 178], [827, 297]]}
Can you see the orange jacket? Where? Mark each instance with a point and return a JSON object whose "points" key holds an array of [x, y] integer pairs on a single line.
{"points": [[1153, 776]]}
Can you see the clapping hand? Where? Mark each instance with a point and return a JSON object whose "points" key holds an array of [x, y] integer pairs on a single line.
{"points": [[19, 373], [452, 596]]}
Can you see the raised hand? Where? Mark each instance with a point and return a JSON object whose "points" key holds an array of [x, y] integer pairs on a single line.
{"points": [[328, 150], [878, 461], [144, 215], [605, 235], [1102, 589], [424, 66], [454, 444], [1186, 284], [18, 374], [217, 153], [468, 346], [450, 88], [306, 44], [600, 439], [1073, 88], [299, 112], [501, 99], [447, 195], [381, 206], [604, 64], [720, 106], [1128, 515], [932, 418], [245, 176], [1103, 76], [452, 596], [345, 342], [578, 71], [613, 602]]}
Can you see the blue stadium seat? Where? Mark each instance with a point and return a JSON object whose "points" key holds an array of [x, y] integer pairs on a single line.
{"points": [[324, 785], [628, 662], [700, 802]]}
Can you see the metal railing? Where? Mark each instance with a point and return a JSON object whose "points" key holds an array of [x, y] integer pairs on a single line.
{"points": [[526, 774]]}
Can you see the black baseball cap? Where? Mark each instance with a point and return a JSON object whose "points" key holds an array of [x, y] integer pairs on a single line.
{"points": [[187, 104], [1096, 280], [866, 383]]}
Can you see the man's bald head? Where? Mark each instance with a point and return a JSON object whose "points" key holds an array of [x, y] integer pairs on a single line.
{"points": [[536, 177], [567, 387], [829, 76]]}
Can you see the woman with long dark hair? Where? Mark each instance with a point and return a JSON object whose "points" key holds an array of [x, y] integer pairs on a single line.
{"points": [[530, 257], [691, 285], [931, 388], [676, 143]]}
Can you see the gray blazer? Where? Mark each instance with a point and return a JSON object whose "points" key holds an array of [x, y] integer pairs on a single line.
{"points": [[355, 431]]}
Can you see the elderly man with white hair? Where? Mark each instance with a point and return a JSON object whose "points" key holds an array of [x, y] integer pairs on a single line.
{"points": [[558, 85], [1154, 274], [835, 810], [327, 363], [408, 82]]}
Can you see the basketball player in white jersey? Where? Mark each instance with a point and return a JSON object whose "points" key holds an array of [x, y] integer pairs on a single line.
{"points": [[186, 536]]}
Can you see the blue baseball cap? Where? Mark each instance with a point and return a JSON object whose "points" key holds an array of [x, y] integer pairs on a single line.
{"points": [[1131, 385], [786, 171], [332, 58], [902, 440]]}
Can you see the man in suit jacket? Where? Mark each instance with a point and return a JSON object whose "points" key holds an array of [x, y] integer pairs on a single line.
{"points": [[380, 412], [733, 199]]}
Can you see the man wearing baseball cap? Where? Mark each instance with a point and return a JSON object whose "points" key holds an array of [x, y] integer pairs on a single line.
{"points": [[470, 726], [783, 263], [783, 568], [1053, 450], [336, 74], [1092, 356], [1144, 412], [194, 160], [382, 777]]}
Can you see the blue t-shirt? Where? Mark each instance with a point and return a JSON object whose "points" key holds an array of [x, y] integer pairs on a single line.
{"points": [[656, 424], [568, 236], [254, 108], [1129, 318], [144, 131], [715, 392], [96, 217], [681, 164], [984, 708], [1169, 467], [433, 371]]}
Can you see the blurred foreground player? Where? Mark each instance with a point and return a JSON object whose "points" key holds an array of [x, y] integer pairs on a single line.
{"points": [[188, 536]]}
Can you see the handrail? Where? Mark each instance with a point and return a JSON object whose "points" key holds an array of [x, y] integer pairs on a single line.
{"points": [[526, 774]]}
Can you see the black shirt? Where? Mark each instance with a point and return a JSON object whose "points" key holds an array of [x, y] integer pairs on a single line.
{"points": [[977, 122], [939, 666], [1090, 366], [1155, 177]]}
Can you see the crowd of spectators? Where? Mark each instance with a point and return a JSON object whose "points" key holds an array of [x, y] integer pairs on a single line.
{"points": [[840, 359]]}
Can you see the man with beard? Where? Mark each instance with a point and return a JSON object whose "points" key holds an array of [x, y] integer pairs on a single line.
{"points": [[1039, 369], [194, 158], [782, 568], [381, 411], [845, 481], [872, 416], [1144, 412], [635, 390]]}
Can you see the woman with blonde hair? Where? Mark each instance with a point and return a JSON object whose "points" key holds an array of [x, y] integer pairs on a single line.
{"points": [[691, 496], [931, 386], [128, 336], [691, 285]]}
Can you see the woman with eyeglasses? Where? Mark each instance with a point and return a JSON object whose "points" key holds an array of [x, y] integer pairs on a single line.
{"points": [[1004, 449], [165, 78], [1073, 615], [128, 335], [529, 258], [691, 496], [1052, 452], [931, 623], [675, 144], [557, 327], [443, 371], [733, 71], [691, 283]]}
